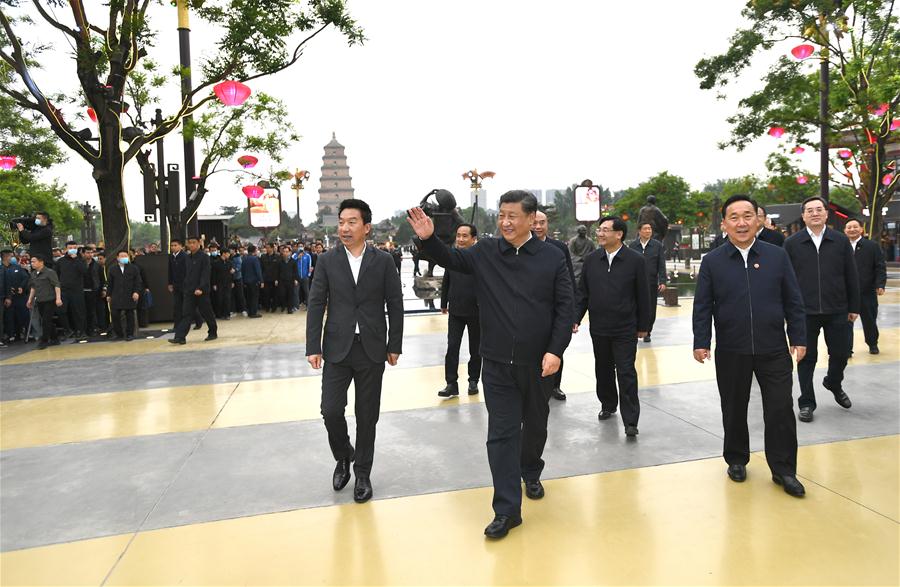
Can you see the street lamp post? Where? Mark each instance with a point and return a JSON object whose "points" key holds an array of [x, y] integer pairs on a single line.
{"points": [[475, 178], [300, 176], [184, 51]]}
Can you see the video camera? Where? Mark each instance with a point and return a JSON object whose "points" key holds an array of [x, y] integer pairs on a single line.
{"points": [[26, 221]]}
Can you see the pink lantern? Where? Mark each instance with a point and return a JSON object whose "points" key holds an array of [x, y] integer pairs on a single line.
{"points": [[887, 179], [776, 131], [845, 153], [802, 51], [798, 150], [895, 124], [252, 191], [8, 162], [880, 111], [231, 93], [801, 179], [247, 161], [92, 114]]}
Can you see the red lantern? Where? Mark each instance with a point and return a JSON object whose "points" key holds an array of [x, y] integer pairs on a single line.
{"points": [[895, 124], [92, 114], [776, 131], [880, 110], [801, 179], [252, 191], [801, 52], [798, 150], [887, 179], [247, 161], [8, 162], [845, 153], [231, 93]]}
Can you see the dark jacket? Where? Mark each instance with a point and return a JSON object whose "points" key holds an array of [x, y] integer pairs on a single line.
{"points": [[71, 271], [565, 249], [349, 304], [870, 266], [525, 296], [287, 271], [458, 294], [197, 272], [44, 284], [93, 276], [828, 276], [123, 285], [16, 279], [617, 297], [269, 266], [773, 237], [654, 259], [220, 272], [177, 269], [720, 240], [749, 305], [251, 270], [40, 241]]}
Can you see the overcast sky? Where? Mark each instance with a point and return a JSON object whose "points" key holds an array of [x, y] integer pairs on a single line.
{"points": [[543, 93]]}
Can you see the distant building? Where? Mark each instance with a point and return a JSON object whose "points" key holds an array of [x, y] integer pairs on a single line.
{"points": [[335, 183], [482, 198], [550, 195], [538, 195]]}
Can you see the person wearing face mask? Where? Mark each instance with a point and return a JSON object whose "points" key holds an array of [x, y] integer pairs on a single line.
{"points": [[220, 279], [39, 238], [93, 281], [71, 270], [4, 294], [125, 289], [287, 279], [16, 312], [44, 296]]}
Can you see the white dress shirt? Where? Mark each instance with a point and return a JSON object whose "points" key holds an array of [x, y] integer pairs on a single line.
{"points": [[355, 264], [854, 243], [816, 239], [745, 252], [611, 256]]}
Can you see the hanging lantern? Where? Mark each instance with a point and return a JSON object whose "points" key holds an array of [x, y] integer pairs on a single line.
{"points": [[231, 93], [887, 179], [92, 114], [845, 153], [848, 164], [247, 161], [801, 52], [252, 191], [776, 131], [798, 149], [801, 179], [895, 124], [8, 162], [880, 110]]}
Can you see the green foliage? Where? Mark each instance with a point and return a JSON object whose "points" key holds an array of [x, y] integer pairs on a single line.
{"points": [[22, 194], [673, 196], [143, 233], [24, 135]]}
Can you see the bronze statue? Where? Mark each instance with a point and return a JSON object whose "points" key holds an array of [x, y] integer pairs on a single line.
{"points": [[580, 247], [650, 213], [446, 220]]}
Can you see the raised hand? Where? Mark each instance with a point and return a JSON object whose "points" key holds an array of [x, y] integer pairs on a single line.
{"points": [[420, 223]]}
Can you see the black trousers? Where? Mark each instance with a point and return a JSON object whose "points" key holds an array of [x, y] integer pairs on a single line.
{"points": [[103, 317], [366, 376], [517, 400], [614, 360], [304, 291], [653, 284], [252, 291], [835, 327], [72, 311], [91, 310], [222, 301], [285, 291], [47, 310], [238, 303], [117, 322], [193, 304], [178, 301], [455, 326], [868, 315], [734, 373], [268, 296]]}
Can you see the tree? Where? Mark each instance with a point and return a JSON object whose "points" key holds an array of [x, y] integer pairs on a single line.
{"points": [[860, 42], [110, 51], [673, 196]]}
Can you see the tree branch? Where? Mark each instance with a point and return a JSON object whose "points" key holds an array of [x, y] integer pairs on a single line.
{"points": [[55, 23]]}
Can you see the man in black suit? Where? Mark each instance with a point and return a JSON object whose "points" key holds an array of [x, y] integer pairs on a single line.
{"points": [[525, 302], [125, 289], [540, 229], [268, 294], [766, 234], [177, 268], [288, 278], [750, 289], [354, 282], [870, 267], [823, 261], [655, 261], [613, 286], [459, 303], [197, 287]]}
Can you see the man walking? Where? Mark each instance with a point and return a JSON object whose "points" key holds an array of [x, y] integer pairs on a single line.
{"points": [[525, 302], [459, 303], [354, 282], [125, 288], [872, 272], [748, 286], [613, 287], [287, 279], [655, 261], [44, 296], [823, 261], [197, 294], [71, 269], [251, 271]]}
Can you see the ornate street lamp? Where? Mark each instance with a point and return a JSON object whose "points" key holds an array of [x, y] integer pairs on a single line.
{"points": [[300, 176], [475, 178]]}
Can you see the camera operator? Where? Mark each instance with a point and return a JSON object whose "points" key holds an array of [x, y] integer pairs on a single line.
{"points": [[40, 237]]}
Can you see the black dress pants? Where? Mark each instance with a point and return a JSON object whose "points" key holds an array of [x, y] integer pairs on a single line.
{"points": [[614, 360], [237, 297], [868, 315], [366, 376], [268, 296], [91, 323], [193, 304], [252, 291], [285, 292], [517, 400], [47, 311], [117, 315], [455, 326], [835, 327], [72, 311], [653, 284], [734, 373]]}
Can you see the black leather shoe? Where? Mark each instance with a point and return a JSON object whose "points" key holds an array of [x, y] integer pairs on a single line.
{"points": [[177, 341], [363, 490], [737, 473], [197, 326], [806, 415], [790, 484], [452, 390], [129, 338], [647, 338], [341, 474], [534, 489], [631, 430], [605, 415], [873, 350], [210, 337], [557, 393], [501, 526], [839, 396], [473, 388]]}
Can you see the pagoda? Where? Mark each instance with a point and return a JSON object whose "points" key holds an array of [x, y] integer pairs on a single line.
{"points": [[335, 183]]}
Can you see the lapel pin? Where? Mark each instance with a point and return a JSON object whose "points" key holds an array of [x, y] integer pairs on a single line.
{"points": [[756, 265]]}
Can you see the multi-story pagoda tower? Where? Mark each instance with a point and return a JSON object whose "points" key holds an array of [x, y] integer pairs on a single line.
{"points": [[335, 184]]}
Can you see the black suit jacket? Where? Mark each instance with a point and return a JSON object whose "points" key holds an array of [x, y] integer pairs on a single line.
{"points": [[177, 269], [828, 276], [197, 272], [655, 260], [350, 303], [122, 285], [870, 266], [565, 249], [773, 237], [617, 297], [458, 292]]}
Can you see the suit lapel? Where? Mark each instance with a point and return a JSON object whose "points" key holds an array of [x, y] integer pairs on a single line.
{"points": [[344, 262], [367, 260]]}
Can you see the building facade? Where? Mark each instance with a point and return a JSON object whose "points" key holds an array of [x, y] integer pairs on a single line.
{"points": [[335, 184]]}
